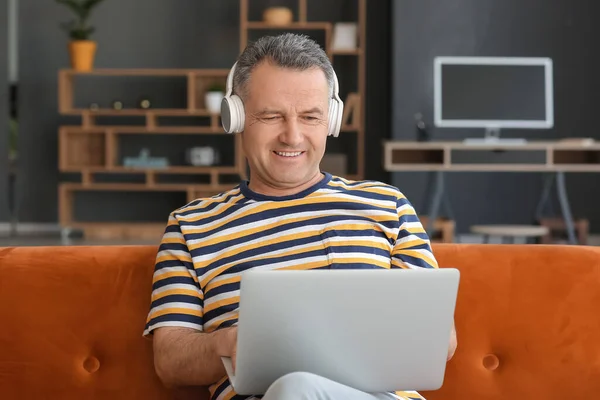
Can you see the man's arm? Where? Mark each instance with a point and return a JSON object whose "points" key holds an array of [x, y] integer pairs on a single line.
{"points": [[412, 249], [185, 357]]}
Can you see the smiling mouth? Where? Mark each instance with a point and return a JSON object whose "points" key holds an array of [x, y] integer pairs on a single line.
{"points": [[289, 154]]}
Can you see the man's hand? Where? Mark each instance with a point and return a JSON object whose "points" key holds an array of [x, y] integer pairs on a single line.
{"points": [[228, 344], [453, 344]]}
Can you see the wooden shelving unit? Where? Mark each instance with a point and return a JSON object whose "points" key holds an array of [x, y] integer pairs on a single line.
{"points": [[92, 149], [301, 23]]}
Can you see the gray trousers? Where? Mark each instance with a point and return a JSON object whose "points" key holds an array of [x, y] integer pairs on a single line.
{"points": [[307, 386]]}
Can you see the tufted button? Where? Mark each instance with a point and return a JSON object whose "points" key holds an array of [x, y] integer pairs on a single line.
{"points": [[91, 364], [491, 362]]}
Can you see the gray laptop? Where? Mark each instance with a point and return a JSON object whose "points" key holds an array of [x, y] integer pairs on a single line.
{"points": [[374, 330]]}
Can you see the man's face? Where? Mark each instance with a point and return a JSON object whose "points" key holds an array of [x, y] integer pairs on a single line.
{"points": [[286, 126]]}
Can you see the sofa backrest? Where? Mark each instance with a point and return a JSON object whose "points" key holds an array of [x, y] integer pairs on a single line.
{"points": [[528, 322], [72, 319]]}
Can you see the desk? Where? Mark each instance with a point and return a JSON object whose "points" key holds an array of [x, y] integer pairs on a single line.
{"points": [[553, 158]]}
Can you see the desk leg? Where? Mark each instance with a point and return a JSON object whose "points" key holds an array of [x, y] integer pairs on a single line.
{"points": [[434, 207], [565, 208]]}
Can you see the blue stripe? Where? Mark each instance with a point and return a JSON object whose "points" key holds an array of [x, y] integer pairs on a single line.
{"points": [[216, 313], [229, 287], [184, 280], [355, 266], [177, 298]]}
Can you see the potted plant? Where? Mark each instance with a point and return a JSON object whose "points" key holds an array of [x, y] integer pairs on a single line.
{"points": [[82, 50], [213, 97]]}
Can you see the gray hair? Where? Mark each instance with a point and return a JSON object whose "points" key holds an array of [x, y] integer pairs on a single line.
{"points": [[288, 50]]}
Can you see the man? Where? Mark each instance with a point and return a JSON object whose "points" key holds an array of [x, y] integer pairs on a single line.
{"points": [[289, 213]]}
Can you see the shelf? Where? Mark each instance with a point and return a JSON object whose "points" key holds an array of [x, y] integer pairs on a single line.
{"points": [[294, 25], [142, 187], [146, 72], [142, 130], [158, 112], [168, 170]]}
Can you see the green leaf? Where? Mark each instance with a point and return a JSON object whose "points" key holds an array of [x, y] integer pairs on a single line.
{"points": [[74, 5]]}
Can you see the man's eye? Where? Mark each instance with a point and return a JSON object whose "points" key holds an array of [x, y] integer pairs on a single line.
{"points": [[271, 118], [309, 118]]}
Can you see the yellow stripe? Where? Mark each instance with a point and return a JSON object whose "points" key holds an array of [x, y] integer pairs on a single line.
{"points": [[409, 244], [186, 311], [177, 240], [220, 303], [229, 395], [166, 275], [408, 396], [406, 211], [306, 266], [174, 292], [416, 229], [173, 257]]}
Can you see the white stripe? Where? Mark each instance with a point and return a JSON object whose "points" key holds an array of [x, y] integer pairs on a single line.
{"points": [[187, 306], [175, 324], [179, 254], [343, 256], [222, 296], [217, 320], [173, 235]]}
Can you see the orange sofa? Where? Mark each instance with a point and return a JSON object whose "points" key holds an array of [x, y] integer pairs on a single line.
{"points": [[71, 319]]}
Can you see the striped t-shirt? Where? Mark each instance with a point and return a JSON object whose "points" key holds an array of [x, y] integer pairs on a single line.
{"points": [[336, 223]]}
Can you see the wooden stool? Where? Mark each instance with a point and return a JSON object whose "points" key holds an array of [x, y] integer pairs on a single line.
{"points": [[509, 233], [443, 229], [558, 228]]}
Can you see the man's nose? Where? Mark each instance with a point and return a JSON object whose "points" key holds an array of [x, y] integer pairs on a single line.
{"points": [[292, 133]]}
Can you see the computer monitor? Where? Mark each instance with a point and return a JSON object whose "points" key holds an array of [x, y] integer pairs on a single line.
{"points": [[493, 93]]}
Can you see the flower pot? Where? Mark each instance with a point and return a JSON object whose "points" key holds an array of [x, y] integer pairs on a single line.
{"points": [[82, 54], [213, 101]]}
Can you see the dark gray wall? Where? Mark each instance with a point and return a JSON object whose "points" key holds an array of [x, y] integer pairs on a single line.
{"points": [[558, 29], [4, 215], [152, 34]]}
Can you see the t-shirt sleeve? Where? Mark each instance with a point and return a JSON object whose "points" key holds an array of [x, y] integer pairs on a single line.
{"points": [[177, 299], [412, 247]]}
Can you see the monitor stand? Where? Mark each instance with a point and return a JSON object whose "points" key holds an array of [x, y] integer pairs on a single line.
{"points": [[492, 137]]}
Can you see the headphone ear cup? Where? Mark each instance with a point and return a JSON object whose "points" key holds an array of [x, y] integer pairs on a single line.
{"points": [[336, 109], [232, 114]]}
